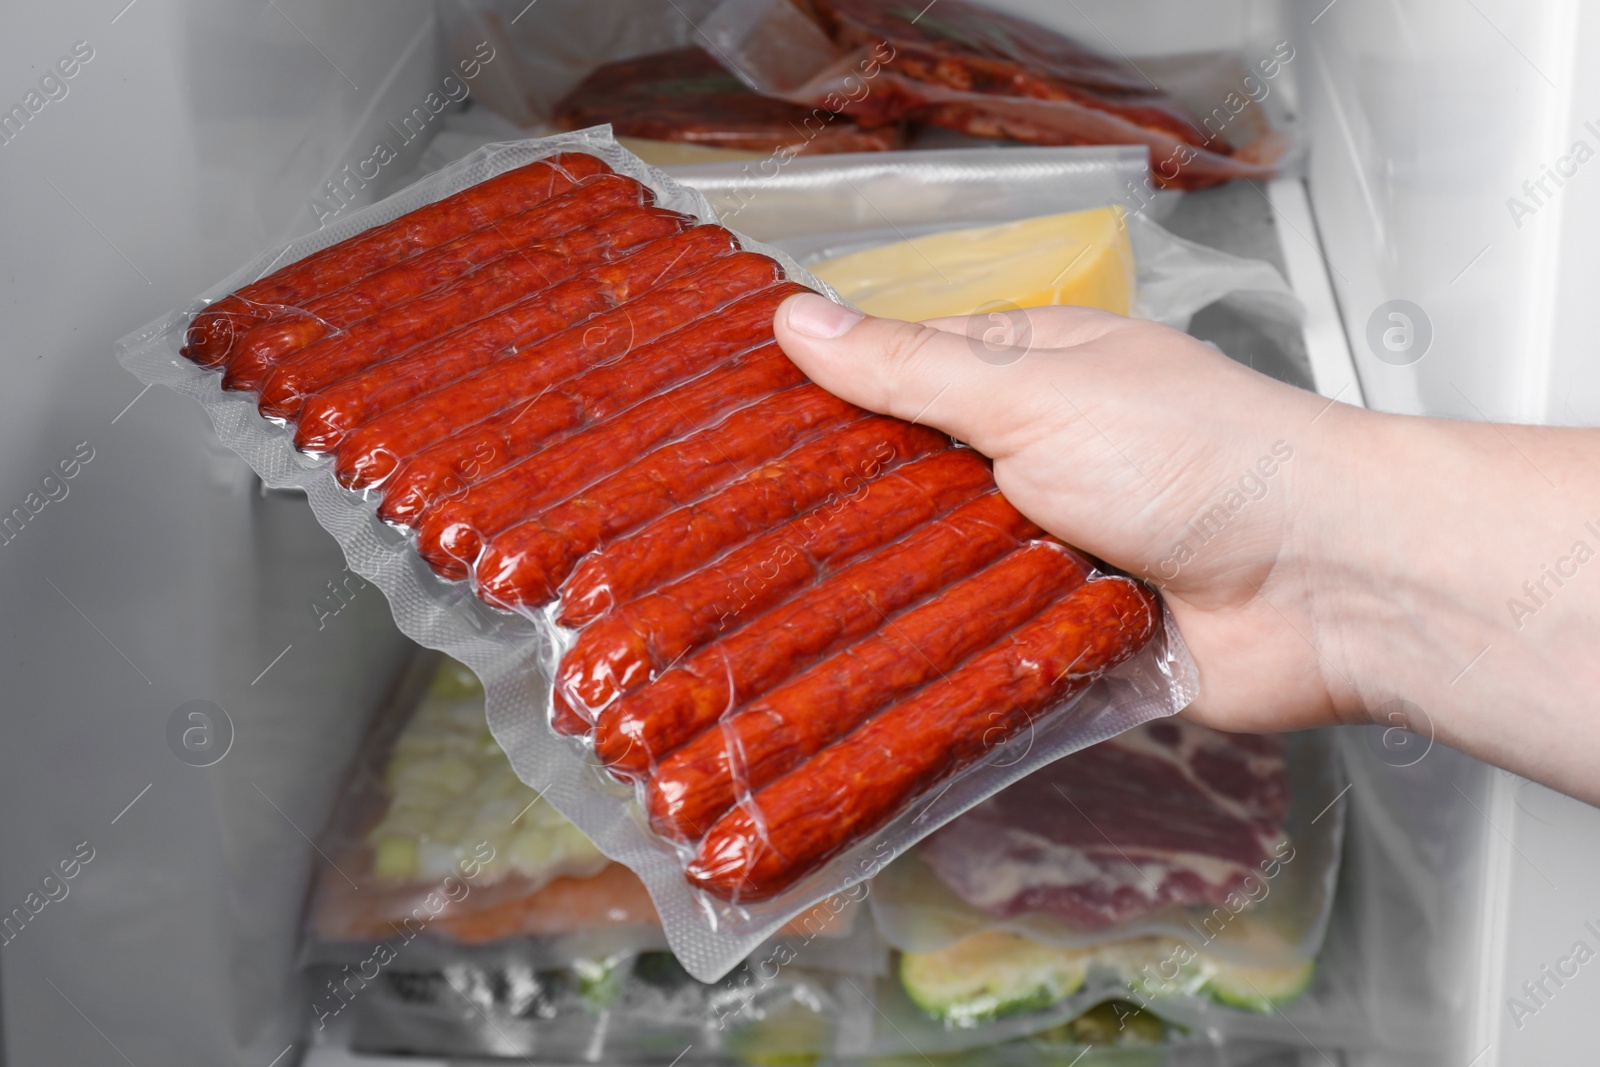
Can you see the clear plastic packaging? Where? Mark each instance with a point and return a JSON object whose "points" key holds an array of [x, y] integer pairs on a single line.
{"points": [[991, 74], [735, 904], [1252, 882], [541, 53], [1083, 258], [685, 95], [439, 853], [436, 846], [430, 933], [1204, 101], [1230, 967], [816, 208], [621, 1009]]}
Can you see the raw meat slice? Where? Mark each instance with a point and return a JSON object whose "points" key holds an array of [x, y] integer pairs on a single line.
{"points": [[686, 95], [1170, 813]]}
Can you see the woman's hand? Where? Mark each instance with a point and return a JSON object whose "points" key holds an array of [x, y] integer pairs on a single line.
{"points": [[1321, 561], [1134, 442]]}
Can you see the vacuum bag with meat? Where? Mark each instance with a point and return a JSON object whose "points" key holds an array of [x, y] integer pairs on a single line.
{"points": [[1168, 813], [686, 95], [1170, 829], [753, 641], [991, 74], [1174, 879]]}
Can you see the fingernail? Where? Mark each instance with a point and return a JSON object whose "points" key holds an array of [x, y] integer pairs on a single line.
{"points": [[817, 316]]}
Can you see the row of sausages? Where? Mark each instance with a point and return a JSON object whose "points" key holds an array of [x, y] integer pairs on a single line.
{"points": [[792, 616]]}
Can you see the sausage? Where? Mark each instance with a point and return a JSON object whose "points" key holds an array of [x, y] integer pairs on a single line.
{"points": [[621, 651], [449, 467], [371, 454], [535, 557], [327, 416], [264, 345], [852, 787], [695, 261], [211, 334], [507, 280], [564, 720], [824, 469], [686, 538], [765, 740], [638, 730], [451, 535]]}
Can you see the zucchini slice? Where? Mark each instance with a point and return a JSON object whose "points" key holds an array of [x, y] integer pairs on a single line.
{"points": [[1258, 989], [989, 976]]}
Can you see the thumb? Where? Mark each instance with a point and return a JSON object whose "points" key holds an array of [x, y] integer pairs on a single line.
{"points": [[966, 385]]}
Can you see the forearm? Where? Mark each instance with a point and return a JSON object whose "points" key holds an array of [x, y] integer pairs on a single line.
{"points": [[1454, 566]]}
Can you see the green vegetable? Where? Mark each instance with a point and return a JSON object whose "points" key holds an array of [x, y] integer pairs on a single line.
{"points": [[1118, 1023], [989, 976], [788, 1035], [600, 981], [457, 808], [993, 975], [661, 969], [1258, 989], [455, 681]]}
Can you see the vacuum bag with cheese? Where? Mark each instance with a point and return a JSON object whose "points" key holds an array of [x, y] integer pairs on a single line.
{"points": [[1080, 257], [926, 266]]}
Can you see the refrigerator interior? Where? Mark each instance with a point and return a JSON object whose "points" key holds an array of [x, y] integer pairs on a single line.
{"points": [[196, 133]]}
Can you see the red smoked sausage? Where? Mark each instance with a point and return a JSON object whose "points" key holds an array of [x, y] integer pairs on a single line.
{"points": [[449, 467], [264, 345], [330, 414], [684, 539], [630, 646], [372, 453], [452, 535], [638, 730], [852, 787], [787, 618], [510, 279], [775, 734], [535, 557], [212, 333]]}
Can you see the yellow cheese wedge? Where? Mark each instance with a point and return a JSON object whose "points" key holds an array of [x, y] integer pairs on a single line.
{"points": [[1082, 257]]}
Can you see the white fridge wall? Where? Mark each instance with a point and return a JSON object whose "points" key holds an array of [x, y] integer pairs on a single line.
{"points": [[1424, 119], [196, 133]]}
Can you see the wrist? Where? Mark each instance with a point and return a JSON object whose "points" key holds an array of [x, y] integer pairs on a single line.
{"points": [[1422, 538], [1384, 551]]}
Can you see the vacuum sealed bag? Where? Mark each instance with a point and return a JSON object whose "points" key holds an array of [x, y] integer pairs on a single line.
{"points": [[456, 914], [686, 95], [1081, 257], [859, 72], [1183, 874], [751, 640], [1146, 834], [621, 1009], [436, 845], [988, 73], [437, 851], [970, 209]]}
